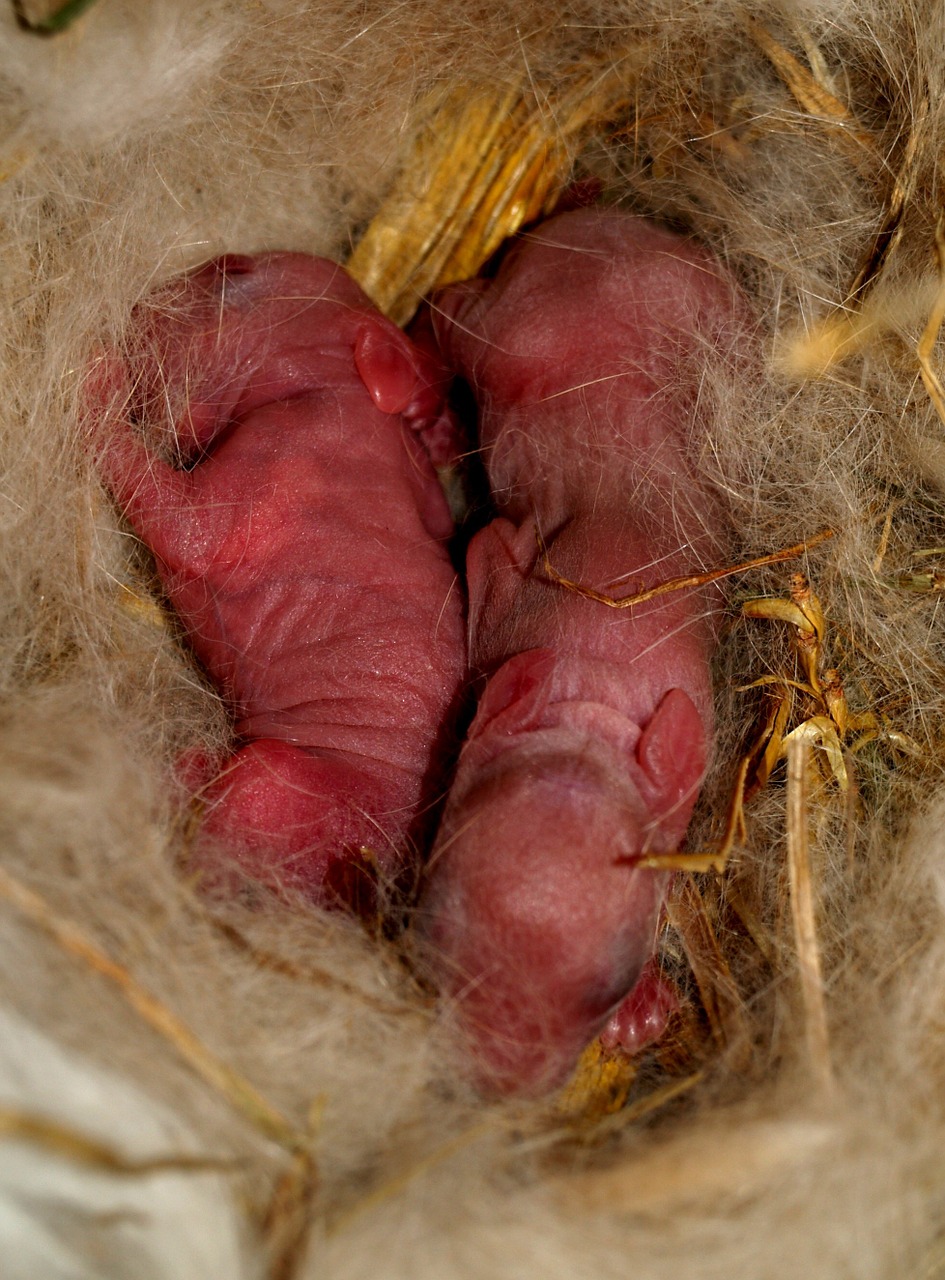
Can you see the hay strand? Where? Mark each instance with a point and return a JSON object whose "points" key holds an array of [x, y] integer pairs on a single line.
{"points": [[803, 915]]}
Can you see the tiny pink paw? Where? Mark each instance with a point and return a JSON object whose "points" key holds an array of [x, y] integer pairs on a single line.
{"points": [[642, 1017]]}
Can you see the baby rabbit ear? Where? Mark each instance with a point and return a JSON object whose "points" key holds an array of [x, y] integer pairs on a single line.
{"points": [[387, 365], [516, 696], [672, 750]]}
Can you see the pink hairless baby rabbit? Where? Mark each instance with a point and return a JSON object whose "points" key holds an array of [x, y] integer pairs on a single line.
{"points": [[593, 728], [301, 537]]}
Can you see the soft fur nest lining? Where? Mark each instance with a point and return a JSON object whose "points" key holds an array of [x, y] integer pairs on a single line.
{"points": [[270, 1093]]}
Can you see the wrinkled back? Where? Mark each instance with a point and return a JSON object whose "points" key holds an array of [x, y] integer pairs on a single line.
{"points": [[585, 355]]}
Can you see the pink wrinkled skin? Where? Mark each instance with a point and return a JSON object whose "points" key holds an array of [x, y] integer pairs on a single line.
{"points": [[302, 541], [592, 733]]}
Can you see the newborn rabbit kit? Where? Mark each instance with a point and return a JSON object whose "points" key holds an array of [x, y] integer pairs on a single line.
{"points": [[304, 550], [226, 558], [592, 733]]}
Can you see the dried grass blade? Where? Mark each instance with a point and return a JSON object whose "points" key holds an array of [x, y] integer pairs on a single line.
{"points": [[457, 152], [70, 1144], [599, 1086], [751, 919], [890, 232], [311, 973], [820, 731], [768, 746], [238, 1092], [717, 990], [287, 1224], [803, 914], [933, 328], [883, 544], [815, 99], [142, 607], [697, 863], [777, 610], [735, 829]]}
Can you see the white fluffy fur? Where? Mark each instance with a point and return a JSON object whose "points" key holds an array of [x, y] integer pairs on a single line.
{"points": [[148, 137], [180, 1222]]}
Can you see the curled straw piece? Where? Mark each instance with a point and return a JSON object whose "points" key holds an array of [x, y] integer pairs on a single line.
{"points": [[484, 164], [675, 584]]}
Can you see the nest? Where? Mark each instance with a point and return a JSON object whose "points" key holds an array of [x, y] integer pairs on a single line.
{"points": [[218, 1090]]}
